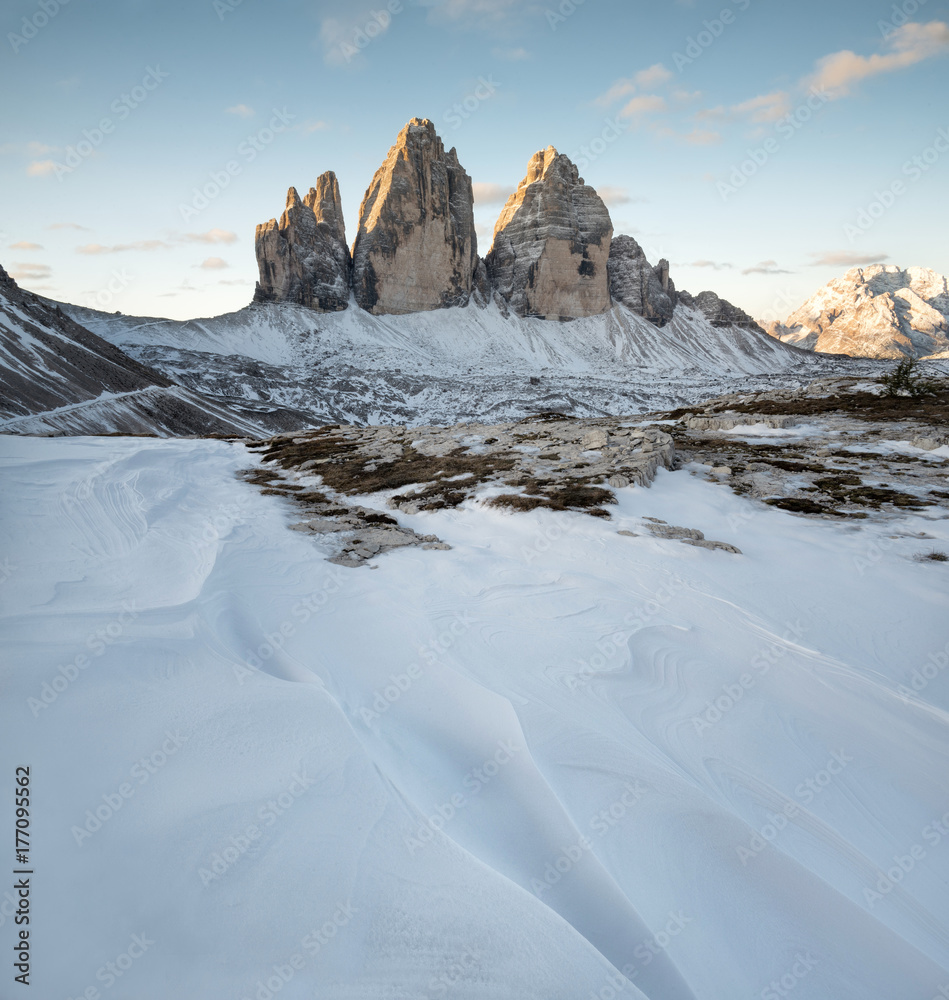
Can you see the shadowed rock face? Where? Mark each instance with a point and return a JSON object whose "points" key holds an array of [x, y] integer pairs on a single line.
{"points": [[718, 311], [644, 289], [552, 244], [416, 248], [304, 258]]}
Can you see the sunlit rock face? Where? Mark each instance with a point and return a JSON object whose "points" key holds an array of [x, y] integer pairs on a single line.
{"points": [[552, 244], [874, 312], [416, 249]]}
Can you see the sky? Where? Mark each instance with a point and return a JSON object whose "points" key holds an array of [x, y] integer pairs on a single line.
{"points": [[762, 147]]}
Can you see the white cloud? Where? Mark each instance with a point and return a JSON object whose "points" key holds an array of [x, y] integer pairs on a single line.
{"points": [[623, 87], [518, 54], [652, 77], [765, 107], [241, 110], [713, 264], [211, 236], [846, 258], [913, 43], [41, 168], [143, 246], [617, 195], [646, 105], [23, 245], [29, 272], [766, 267], [491, 194], [703, 137], [213, 264], [68, 225]]}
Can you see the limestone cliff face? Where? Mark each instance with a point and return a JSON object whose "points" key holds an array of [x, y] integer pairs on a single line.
{"points": [[416, 249], [718, 311], [874, 312], [644, 289], [304, 258], [552, 244]]}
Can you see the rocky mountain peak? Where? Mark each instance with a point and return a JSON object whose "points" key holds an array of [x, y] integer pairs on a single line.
{"points": [[416, 248], [881, 311], [552, 243], [304, 258]]}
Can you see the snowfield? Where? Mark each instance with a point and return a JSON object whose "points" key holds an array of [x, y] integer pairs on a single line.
{"points": [[555, 762]]}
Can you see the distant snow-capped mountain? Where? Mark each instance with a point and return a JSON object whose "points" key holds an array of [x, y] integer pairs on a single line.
{"points": [[874, 312]]}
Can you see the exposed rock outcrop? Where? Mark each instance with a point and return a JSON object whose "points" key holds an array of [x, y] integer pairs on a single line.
{"points": [[634, 282], [718, 311], [874, 312], [416, 249], [552, 244], [304, 258]]}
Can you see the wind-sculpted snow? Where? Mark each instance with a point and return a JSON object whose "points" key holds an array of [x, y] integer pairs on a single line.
{"points": [[457, 365], [524, 767]]}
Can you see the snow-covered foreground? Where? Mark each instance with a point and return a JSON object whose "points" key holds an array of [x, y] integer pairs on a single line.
{"points": [[507, 770]]}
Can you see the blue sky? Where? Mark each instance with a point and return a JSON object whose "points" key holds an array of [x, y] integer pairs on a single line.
{"points": [[763, 147]]}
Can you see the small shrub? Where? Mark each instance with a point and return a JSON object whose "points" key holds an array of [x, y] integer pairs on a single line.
{"points": [[905, 380], [934, 556]]}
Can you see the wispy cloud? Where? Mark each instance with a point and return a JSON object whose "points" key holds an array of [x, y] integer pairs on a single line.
{"points": [[518, 54], [648, 104], [617, 195], [68, 225], [713, 264], [23, 271], [144, 246], [766, 267], [845, 258], [211, 236], [911, 44], [23, 245], [241, 110], [491, 194], [213, 264], [41, 168], [654, 76]]}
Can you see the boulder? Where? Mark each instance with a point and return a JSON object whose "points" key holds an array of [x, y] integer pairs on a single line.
{"points": [[416, 249], [552, 244]]}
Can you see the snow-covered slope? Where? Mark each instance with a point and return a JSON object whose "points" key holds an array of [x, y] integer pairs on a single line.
{"points": [[516, 769], [57, 377], [875, 312], [452, 365]]}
